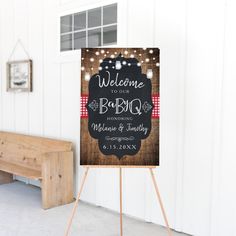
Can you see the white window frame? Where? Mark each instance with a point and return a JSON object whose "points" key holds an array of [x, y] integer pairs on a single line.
{"points": [[80, 10]]}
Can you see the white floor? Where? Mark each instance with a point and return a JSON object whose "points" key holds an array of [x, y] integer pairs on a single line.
{"points": [[21, 215]]}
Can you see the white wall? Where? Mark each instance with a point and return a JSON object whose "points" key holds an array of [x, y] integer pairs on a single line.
{"points": [[197, 41]]}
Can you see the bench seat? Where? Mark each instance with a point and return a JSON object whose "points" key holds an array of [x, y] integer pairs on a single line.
{"points": [[48, 160], [20, 170]]}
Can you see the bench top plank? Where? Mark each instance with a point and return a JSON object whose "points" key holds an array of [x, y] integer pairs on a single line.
{"points": [[19, 170], [26, 150]]}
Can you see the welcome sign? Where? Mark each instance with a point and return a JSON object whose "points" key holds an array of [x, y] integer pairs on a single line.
{"points": [[120, 106]]}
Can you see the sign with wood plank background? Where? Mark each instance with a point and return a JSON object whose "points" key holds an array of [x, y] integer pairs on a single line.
{"points": [[120, 106]]}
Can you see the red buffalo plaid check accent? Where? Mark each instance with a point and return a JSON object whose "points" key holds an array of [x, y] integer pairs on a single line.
{"points": [[155, 111], [83, 109]]}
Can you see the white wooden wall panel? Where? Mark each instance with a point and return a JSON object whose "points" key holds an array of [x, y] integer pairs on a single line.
{"points": [[224, 207], [203, 71], [52, 80], [8, 42], [197, 41], [35, 47], [21, 21]]}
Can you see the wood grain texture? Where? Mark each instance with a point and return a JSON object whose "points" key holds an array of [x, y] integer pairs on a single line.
{"points": [[37, 158], [148, 154], [26, 151], [5, 177], [57, 179], [19, 170]]}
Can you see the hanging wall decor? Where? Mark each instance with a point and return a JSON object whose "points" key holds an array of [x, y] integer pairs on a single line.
{"points": [[120, 106], [19, 76]]}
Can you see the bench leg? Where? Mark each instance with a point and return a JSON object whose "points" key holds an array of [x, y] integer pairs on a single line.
{"points": [[5, 177], [57, 179]]}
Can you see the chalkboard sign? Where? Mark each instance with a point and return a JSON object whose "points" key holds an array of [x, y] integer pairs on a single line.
{"points": [[120, 106]]}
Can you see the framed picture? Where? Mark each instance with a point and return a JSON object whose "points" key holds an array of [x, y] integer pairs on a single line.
{"points": [[120, 107], [19, 76]]}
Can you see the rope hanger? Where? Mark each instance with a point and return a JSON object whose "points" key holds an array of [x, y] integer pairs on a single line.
{"points": [[19, 43]]}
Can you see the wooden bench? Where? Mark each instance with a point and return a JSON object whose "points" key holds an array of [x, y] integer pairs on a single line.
{"points": [[47, 160]]}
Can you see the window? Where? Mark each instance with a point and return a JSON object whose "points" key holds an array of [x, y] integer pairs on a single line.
{"points": [[92, 28]]}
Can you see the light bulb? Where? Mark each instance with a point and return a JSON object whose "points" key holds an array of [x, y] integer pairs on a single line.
{"points": [[118, 65], [149, 73], [87, 76]]}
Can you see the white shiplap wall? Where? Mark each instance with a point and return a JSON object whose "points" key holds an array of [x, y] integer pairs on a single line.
{"points": [[197, 41]]}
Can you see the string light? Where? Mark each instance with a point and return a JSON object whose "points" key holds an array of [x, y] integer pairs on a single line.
{"points": [[102, 51], [157, 64], [126, 52], [106, 67], [147, 59], [82, 68], [112, 56], [99, 68], [132, 55], [87, 76], [92, 59], [110, 61], [124, 62], [138, 64], [100, 60], [118, 65], [97, 53], [129, 64], [151, 51], [149, 73]]}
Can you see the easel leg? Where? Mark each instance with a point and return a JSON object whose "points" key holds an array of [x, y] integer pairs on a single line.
{"points": [[76, 202], [121, 220], [160, 202]]}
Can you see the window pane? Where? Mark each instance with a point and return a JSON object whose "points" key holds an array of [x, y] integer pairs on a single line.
{"points": [[80, 21], [110, 14], [94, 38], [94, 17], [80, 40], [66, 42], [66, 24], [109, 35]]}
